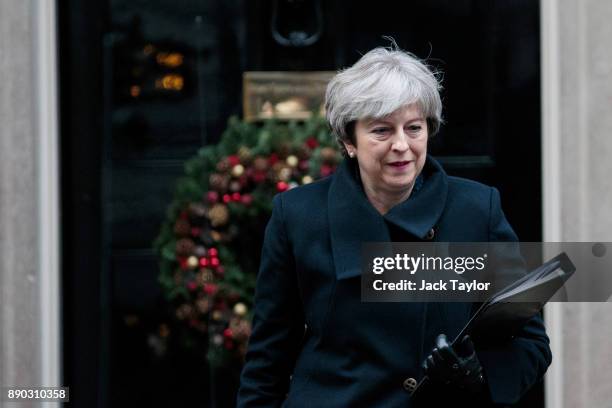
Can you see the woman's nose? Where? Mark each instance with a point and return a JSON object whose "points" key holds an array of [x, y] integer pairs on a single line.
{"points": [[400, 141]]}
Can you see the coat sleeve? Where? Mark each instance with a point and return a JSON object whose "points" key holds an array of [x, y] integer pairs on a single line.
{"points": [[513, 367], [278, 321]]}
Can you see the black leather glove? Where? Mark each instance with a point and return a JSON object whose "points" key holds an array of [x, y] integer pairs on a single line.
{"points": [[457, 366]]}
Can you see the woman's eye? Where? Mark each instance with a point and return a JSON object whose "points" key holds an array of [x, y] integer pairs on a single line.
{"points": [[414, 128], [380, 130]]}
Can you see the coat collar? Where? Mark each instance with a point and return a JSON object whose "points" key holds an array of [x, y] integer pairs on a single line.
{"points": [[353, 220]]}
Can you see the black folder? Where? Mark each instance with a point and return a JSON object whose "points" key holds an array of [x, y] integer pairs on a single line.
{"points": [[506, 312]]}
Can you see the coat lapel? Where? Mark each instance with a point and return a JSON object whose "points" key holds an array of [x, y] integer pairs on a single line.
{"points": [[422, 210], [353, 220]]}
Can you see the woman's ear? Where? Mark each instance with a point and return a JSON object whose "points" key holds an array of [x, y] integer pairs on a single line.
{"points": [[350, 149]]}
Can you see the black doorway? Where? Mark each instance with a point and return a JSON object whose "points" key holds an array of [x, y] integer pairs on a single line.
{"points": [[121, 154]]}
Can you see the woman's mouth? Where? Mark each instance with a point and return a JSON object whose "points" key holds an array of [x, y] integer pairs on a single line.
{"points": [[400, 164]]}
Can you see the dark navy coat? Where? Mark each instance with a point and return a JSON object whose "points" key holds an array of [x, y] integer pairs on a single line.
{"points": [[315, 344]]}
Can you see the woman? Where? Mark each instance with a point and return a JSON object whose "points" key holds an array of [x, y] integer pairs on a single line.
{"points": [[314, 343]]}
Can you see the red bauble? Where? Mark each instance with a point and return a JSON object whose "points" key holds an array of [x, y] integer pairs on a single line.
{"points": [[312, 142], [210, 288], [233, 160], [233, 297], [212, 197], [227, 333], [213, 252], [273, 159], [244, 179], [214, 262], [326, 170], [236, 196], [227, 198], [203, 262], [196, 231], [281, 186], [259, 176], [220, 271], [192, 285], [247, 199]]}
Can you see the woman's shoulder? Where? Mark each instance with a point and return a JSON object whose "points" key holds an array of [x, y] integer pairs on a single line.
{"points": [[471, 191], [467, 184], [306, 197], [310, 190]]}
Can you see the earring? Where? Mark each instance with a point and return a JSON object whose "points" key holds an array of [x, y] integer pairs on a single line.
{"points": [[351, 154]]}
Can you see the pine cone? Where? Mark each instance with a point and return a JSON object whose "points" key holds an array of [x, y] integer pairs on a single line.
{"points": [[218, 215], [197, 210], [184, 247], [245, 154], [223, 165], [219, 182], [260, 163], [203, 305], [182, 228], [328, 154]]}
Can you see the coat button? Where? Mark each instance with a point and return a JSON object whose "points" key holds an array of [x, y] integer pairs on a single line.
{"points": [[410, 384], [430, 234]]}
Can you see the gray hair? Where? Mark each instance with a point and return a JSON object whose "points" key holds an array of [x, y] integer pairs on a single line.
{"points": [[382, 81]]}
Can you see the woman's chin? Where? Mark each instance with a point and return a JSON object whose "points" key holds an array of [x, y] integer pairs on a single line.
{"points": [[400, 185]]}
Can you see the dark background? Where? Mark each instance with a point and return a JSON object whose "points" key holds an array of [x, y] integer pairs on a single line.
{"points": [[122, 154]]}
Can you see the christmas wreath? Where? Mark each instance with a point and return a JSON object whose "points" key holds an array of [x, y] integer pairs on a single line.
{"points": [[209, 246]]}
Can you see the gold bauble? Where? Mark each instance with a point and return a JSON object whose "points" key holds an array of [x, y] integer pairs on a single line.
{"points": [[218, 215], [192, 262], [240, 309], [216, 235], [292, 161], [237, 170]]}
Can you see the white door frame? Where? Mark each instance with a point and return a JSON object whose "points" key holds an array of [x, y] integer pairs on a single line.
{"points": [[47, 122], [551, 181]]}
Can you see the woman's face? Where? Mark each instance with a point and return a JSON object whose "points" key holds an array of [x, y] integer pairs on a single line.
{"points": [[391, 151]]}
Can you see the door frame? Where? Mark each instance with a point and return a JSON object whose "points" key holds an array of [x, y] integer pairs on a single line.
{"points": [[47, 122], [551, 181]]}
